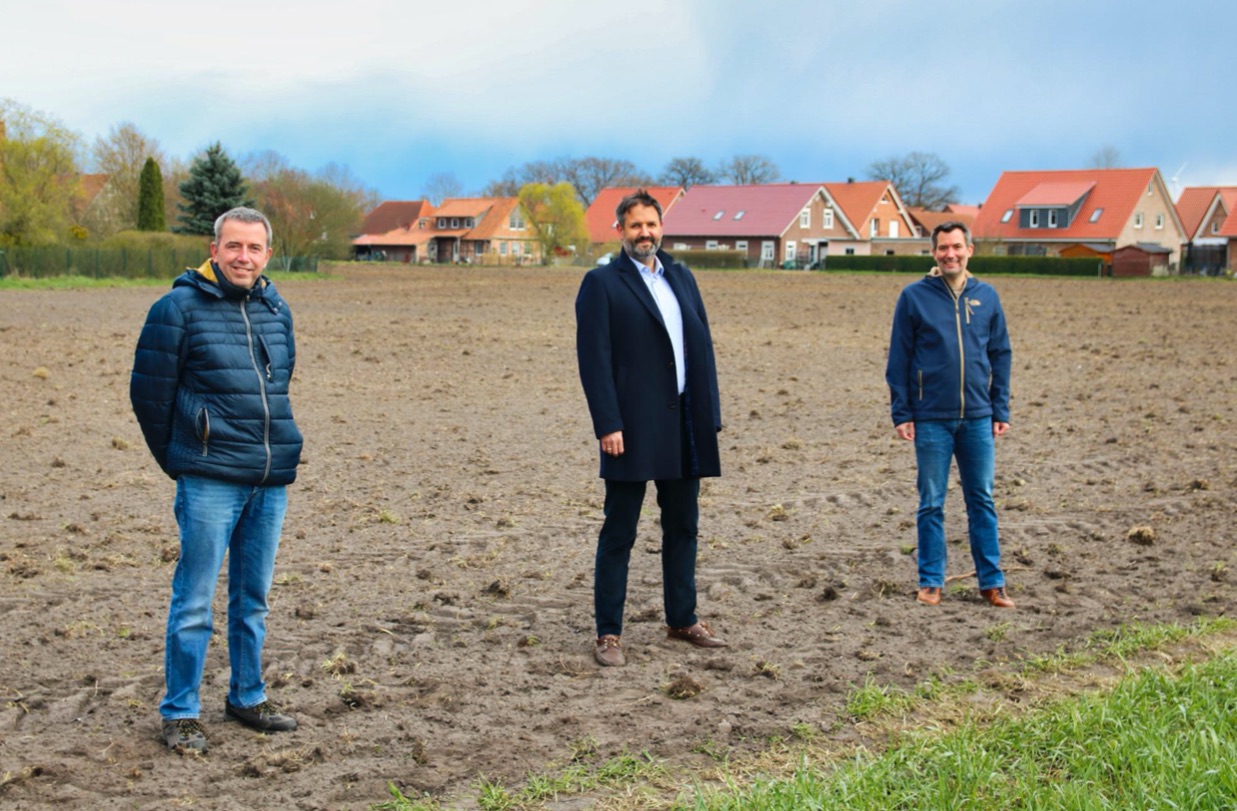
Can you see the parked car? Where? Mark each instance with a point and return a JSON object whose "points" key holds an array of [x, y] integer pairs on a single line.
{"points": [[605, 259]]}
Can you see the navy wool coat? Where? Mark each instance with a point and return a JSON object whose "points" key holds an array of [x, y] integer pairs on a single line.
{"points": [[627, 368]]}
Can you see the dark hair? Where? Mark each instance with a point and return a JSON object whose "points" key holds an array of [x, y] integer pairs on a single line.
{"points": [[639, 197], [951, 225]]}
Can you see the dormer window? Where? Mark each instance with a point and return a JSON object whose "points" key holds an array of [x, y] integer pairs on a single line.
{"points": [[1052, 218], [1034, 221], [442, 222], [455, 222]]}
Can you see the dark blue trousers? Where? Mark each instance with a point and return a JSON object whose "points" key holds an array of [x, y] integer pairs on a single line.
{"points": [[680, 518]]}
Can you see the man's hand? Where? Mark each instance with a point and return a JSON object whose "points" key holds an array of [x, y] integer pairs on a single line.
{"points": [[906, 431], [999, 428], [612, 444]]}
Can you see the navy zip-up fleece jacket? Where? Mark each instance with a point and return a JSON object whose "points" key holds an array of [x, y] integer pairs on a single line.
{"points": [[949, 356], [210, 381]]}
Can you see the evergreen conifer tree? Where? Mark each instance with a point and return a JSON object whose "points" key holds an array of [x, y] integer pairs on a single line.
{"points": [[214, 186], [150, 216]]}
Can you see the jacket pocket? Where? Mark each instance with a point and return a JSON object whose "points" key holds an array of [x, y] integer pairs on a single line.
{"points": [[201, 426], [919, 380]]}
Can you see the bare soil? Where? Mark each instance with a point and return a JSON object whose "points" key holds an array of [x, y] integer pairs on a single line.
{"points": [[431, 619]]}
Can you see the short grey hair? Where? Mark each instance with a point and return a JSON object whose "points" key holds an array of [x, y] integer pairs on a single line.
{"points": [[245, 215]]}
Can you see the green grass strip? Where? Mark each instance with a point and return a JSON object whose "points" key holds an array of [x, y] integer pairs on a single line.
{"points": [[1157, 740]]}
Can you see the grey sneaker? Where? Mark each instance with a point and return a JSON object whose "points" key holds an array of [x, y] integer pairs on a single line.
{"points": [[265, 716], [184, 735]]}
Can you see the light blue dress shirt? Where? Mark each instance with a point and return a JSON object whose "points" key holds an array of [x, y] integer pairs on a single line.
{"points": [[671, 314]]}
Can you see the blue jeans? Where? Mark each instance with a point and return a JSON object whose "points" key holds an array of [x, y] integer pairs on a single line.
{"points": [[680, 518], [216, 517], [971, 443]]}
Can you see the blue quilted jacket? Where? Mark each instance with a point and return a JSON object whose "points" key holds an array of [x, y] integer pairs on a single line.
{"points": [[210, 381], [949, 356]]}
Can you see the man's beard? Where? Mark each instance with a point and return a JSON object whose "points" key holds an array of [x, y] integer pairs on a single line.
{"points": [[642, 250]]}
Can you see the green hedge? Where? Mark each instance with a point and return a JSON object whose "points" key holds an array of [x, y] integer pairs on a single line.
{"points": [[124, 263], [1040, 265], [725, 260]]}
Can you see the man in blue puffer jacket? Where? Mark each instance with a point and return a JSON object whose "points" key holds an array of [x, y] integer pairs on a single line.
{"points": [[948, 375], [210, 391]]}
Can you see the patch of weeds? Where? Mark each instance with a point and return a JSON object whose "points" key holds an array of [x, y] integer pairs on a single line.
{"points": [[288, 579], [803, 732], [907, 548], [399, 802], [998, 632], [387, 517], [711, 749], [339, 664]]}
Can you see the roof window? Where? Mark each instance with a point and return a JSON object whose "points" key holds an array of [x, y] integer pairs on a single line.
{"points": [[1095, 215], [718, 215], [1009, 212], [739, 215]]}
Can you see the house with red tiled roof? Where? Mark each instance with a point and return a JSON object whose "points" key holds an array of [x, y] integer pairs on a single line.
{"points": [[395, 231], [488, 230], [600, 215], [881, 224], [925, 220], [773, 225], [1204, 212], [1042, 213]]}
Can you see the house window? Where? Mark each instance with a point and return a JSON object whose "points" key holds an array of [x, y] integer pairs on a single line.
{"points": [[1095, 215], [502, 249], [826, 218], [469, 222], [874, 229], [888, 253], [515, 249], [516, 221], [1148, 188], [682, 246], [1159, 221], [740, 245], [442, 222], [1034, 222], [790, 250], [850, 251], [455, 222], [1138, 219], [766, 251], [805, 218], [710, 245], [739, 215], [893, 229], [1009, 212], [718, 215], [1215, 227], [1052, 218]]}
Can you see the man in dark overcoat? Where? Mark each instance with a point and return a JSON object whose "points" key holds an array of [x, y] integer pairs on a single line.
{"points": [[646, 362]]}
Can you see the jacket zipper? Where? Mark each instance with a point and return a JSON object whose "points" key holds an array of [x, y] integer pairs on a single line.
{"points": [[266, 409], [961, 351], [205, 432]]}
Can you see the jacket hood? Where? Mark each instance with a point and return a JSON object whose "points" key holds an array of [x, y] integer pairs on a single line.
{"points": [[210, 280]]}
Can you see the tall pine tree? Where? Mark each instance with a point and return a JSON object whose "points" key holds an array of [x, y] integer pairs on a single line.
{"points": [[214, 186], [150, 216]]}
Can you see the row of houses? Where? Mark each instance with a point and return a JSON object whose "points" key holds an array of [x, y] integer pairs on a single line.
{"points": [[1123, 217]]}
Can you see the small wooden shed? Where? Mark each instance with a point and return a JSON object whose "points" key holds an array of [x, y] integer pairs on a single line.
{"points": [[1142, 259]]}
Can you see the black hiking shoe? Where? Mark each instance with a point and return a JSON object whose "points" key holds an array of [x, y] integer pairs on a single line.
{"points": [[184, 735], [265, 716]]}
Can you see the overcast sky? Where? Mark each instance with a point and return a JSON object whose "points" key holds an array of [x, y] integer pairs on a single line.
{"points": [[399, 91]]}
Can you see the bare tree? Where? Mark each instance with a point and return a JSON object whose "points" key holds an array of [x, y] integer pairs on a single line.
{"points": [[121, 156], [590, 175], [1106, 157], [686, 172], [919, 179], [545, 172], [441, 185], [749, 170]]}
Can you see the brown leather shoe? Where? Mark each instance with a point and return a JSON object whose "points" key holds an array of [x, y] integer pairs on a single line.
{"points": [[609, 651], [997, 597], [700, 635], [929, 595]]}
